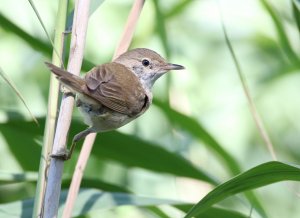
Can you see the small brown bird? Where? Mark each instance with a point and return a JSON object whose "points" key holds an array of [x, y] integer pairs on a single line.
{"points": [[113, 94]]}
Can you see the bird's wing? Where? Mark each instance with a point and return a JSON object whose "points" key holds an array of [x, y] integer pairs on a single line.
{"points": [[117, 88], [73, 82]]}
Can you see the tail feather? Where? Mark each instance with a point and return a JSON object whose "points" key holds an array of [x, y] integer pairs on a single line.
{"points": [[71, 81]]}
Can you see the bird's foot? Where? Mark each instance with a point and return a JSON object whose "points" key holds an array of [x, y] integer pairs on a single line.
{"points": [[67, 92]]}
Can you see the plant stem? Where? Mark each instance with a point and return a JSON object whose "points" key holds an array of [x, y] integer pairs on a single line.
{"points": [[130, 26], [52, 109], [51, 200], [125, 41]]}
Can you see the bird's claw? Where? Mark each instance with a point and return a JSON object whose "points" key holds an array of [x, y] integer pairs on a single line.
{"points": [[66, 91]]}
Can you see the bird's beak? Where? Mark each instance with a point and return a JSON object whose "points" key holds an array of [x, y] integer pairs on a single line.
{"points": [[170, 66]]}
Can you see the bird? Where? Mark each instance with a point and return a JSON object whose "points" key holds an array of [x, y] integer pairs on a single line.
{"points": [[113, 94]]}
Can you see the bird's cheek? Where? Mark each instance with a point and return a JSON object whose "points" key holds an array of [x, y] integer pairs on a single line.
{"points": [[137, 70], [147, 76]]}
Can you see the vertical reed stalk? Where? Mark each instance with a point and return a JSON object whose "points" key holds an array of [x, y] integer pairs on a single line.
{"points": [[52, 109], [51, 199]]}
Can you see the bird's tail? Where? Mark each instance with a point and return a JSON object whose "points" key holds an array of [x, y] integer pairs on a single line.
{"points": [[71, 81]]}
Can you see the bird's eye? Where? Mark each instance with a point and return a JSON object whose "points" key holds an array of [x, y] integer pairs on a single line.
{"points": [[145, 62]]}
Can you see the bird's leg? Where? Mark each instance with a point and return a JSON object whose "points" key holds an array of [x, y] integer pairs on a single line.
{"points": [[67, 154], [77, 138]]}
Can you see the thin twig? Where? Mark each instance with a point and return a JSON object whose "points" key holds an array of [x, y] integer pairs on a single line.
{"points": [[64, 119], [89, 140], [254, 112]]}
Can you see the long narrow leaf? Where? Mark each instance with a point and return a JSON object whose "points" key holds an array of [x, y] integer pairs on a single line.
{"points": [[29, 134], [14, 88], [284, 41], [11, 178], [256, 116], [88, 200], [34, 42], [93, 200], [96, 184], [214, 212], [296, 12], [133, 151], [262, 175], [125, 149], [198, 131]]}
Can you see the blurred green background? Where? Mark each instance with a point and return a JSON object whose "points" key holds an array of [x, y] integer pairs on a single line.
{"points": [[208, 92]]}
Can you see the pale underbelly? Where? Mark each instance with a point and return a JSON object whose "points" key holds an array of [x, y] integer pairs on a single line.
{"points": [[101, 118]]}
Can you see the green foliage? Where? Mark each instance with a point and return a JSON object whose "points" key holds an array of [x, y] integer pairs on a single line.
{"points": [[258, 176], [193, 127], [88, 200], [92, 200]]}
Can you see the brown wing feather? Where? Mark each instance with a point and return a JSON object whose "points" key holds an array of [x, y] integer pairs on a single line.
{"points": [[113, 85], [116, 87], [73, 82]]}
